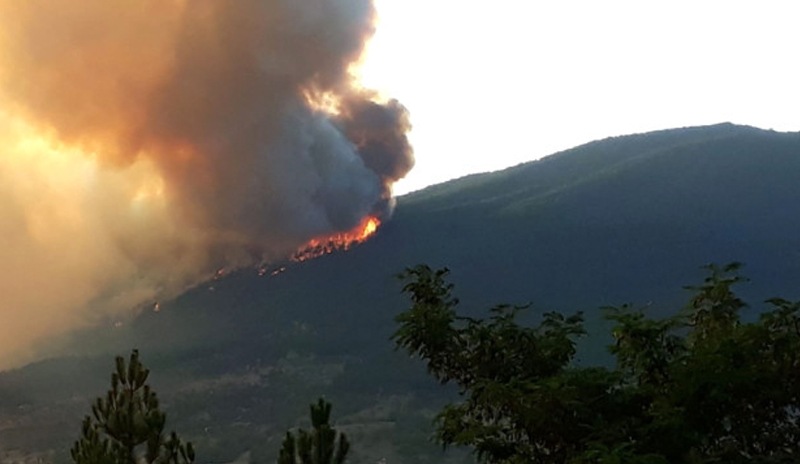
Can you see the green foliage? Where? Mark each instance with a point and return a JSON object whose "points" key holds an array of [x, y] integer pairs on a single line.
{"points": [[317, 446], [699, 387], [127, 426]]}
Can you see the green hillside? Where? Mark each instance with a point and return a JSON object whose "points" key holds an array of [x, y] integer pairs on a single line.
{"points": [[625, 219]]}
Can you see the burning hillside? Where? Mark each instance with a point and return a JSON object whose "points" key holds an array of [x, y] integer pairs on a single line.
{"points": [[338, 241], [145, 146]]}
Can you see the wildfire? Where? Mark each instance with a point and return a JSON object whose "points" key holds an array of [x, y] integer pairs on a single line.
{"points": [[341, 241]]}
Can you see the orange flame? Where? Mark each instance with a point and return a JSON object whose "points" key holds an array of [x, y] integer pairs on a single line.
{"points": [[340, 241]]}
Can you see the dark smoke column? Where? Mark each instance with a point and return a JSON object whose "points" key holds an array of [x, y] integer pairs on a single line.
{"points": [[274, 170], [379, 132], [217, 96]]}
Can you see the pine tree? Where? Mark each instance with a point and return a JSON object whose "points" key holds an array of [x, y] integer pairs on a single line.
{"points": [[127, 426], [317, 446]]}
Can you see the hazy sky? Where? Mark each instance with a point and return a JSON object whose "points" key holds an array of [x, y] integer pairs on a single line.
{"points": [[490, 84]]}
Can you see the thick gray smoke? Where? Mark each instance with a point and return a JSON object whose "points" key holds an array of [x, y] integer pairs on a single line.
{"points": [[146, 143]]}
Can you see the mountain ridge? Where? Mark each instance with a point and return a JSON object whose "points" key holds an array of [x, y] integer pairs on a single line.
{"points": [[687, 136]]}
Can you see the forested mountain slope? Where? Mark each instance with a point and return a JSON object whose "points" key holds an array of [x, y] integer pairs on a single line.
{"points": [[625, 219]]}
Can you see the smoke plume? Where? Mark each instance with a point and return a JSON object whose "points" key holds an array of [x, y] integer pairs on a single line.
{"points": [[144, 144]]}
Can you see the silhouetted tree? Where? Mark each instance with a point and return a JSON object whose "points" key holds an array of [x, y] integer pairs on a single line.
{"points": [[127, 426], [317, 446], [699, 387]]}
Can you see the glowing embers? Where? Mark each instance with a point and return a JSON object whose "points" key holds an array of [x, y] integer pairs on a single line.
{"points": [[340, 241]]}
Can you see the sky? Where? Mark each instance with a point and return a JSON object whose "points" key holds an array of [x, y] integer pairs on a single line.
{"points": [[491, 84]]}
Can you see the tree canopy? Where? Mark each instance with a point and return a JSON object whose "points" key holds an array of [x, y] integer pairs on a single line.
{"points": [[318, 445], [701, 386], [127, 425]]}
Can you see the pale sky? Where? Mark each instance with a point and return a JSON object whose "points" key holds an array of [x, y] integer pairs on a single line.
{"points": [[491, 84]]}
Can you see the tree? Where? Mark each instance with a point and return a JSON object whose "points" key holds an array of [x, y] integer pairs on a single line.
{"points": [[127, 426], [699, 387], [317, 446]]}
